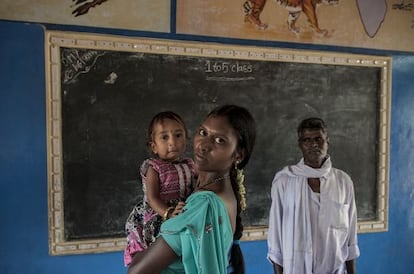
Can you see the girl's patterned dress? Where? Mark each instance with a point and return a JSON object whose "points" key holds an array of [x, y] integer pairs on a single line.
{"points": [[143, 223]]}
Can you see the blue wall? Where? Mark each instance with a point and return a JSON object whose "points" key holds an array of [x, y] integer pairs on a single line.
{"points": [[23, 169]]}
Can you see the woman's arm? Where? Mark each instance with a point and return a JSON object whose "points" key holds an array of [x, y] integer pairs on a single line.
{"points": [[157, 257]]}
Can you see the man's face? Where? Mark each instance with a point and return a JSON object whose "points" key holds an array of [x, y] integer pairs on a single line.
{"points": [[314, 145]]}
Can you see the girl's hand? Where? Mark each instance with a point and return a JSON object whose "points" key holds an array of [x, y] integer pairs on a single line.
{"points": [[178, 209]]}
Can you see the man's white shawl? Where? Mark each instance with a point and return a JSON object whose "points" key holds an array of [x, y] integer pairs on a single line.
{"points": [[297, 238]]}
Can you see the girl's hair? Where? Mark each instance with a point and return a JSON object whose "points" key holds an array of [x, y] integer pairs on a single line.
{"points": [[245, 127], [159, 118]]}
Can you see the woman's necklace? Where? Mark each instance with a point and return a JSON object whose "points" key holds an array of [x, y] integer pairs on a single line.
{"points": [[212, 181]]}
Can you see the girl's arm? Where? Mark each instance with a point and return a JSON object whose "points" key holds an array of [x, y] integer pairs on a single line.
{"points": [[153, 192], [157, 257]]}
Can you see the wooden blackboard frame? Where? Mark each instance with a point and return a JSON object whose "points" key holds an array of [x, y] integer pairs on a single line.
{"points": [[55, 41]]}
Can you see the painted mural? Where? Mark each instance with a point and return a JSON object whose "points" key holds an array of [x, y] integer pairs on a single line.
{"points": [[378, 24], [143, 15]]}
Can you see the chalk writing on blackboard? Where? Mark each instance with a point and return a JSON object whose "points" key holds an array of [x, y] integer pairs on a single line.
{"points": [[75, 63]]}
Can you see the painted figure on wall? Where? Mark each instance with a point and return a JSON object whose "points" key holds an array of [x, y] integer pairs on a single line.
{"points": [[372, 13], [83, 8], [253, 8]]}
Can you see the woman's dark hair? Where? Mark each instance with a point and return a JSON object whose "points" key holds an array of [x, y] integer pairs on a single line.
{"points": [[159, 118], [245, 126]]}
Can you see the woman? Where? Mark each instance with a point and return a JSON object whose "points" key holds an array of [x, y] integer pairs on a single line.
{"points": [[208, 227]]}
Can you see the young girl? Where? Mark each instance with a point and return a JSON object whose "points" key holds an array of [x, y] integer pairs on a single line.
{"points": [[204, 237], [166, 180]]}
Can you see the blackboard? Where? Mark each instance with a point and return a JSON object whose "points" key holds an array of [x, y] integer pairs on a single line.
{"points": [[109, 96]]}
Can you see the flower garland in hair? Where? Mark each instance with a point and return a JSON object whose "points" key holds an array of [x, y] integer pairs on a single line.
{"points": [[242, 189]]}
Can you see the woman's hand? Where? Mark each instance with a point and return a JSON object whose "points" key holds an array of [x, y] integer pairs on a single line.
{"points": [[178, 209]]}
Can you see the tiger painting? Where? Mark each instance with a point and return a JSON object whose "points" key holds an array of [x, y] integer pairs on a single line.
{"points": [[252, 10], [294, 7]]}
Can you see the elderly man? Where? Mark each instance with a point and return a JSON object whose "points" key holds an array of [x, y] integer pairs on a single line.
{"points": [[313, 219]]}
